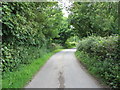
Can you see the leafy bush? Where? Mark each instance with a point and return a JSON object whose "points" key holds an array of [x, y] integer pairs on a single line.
{"points": [[70, 44], [100, 55], [14, 57], [55, 46], [27, 31], [25, 72], [104, 48]]}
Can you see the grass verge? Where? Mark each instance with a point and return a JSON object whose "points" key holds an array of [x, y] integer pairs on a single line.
{"points": [[19, 78], [102, 70]]}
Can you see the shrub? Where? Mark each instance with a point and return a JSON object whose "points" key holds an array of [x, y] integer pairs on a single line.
{"points": [[70, 44], [14, 57], [105, 47], [100, 55], [55, 46]]}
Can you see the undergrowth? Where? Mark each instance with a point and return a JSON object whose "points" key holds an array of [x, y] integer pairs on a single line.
{"points": [[101, 57], [20, 77]]}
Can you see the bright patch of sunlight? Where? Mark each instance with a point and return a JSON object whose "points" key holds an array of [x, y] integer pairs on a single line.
{"points": [[65, 4]]}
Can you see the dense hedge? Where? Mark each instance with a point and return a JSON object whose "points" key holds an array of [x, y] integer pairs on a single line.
{"points": [[101, 56], [104, 48], [27, 31]]}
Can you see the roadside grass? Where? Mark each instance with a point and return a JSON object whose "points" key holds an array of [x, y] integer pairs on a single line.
{"points": [[87, 62], [99, 69], [19, 78]]}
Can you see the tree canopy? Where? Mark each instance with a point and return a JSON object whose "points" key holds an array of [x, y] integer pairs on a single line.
{"points": [[98, 18]]}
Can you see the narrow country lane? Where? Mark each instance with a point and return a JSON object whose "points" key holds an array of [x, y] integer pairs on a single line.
{"points": [[63, 70]]}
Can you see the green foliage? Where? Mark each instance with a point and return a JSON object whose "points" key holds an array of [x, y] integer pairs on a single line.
{"points": [[101, 57], [55, 46], [65, 32], [107, 71], [25, 55], [94, 18], [20, 77], [28, 29], [98, 21], [70, 44], [105, 48]]}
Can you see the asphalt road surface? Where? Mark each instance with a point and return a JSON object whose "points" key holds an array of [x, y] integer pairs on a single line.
{"points": [[63, 70]]}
